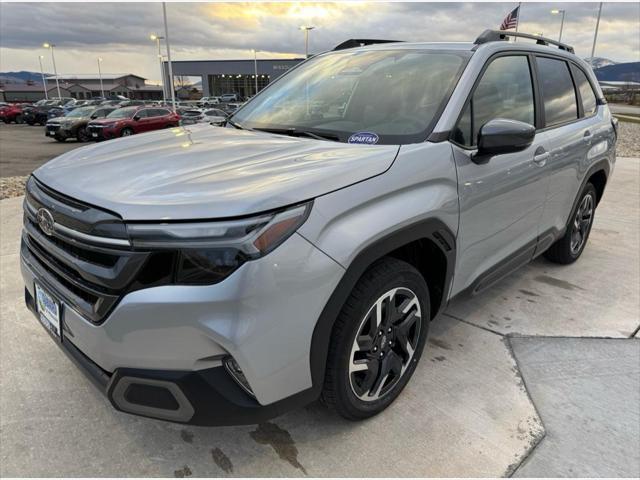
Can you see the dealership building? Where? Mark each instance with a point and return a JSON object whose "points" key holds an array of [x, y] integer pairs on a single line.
{"points": [[232, 76]]}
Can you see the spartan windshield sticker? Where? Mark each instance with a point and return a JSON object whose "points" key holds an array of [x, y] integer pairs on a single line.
{"points": [[368, 138]]}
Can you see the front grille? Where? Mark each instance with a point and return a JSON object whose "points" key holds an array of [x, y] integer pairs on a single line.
{"points": [[86, 260], [53, 128]]}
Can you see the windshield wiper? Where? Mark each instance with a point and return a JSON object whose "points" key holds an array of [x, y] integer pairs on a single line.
{"points": [[294, 132], [236, 125]]}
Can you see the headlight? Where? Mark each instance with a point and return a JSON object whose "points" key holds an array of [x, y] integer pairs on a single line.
{"points": [[208, 252]]}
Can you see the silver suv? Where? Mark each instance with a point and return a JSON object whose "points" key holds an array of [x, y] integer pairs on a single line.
{"points": [[216, 276]]}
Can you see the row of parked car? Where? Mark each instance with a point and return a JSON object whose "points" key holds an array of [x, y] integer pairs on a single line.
{"points": [[93, 120]]}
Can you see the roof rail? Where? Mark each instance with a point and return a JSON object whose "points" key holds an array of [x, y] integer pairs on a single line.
{"points": [[359, 42], [502, 35]]}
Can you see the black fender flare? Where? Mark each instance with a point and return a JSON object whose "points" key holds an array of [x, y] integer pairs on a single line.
{"points": [[432, 229]]}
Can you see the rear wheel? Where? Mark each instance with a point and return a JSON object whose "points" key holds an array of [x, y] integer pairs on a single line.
{"points": [[569, 248], [126, 132], [377, 340]]}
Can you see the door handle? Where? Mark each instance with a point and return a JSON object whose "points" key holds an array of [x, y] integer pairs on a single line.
{"points": [[587, 136], [541, 159]]}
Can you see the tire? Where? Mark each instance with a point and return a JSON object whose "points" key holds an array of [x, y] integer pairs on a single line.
{"points": [[568, 249], [82, 135], [357, 393], [126, 132]]}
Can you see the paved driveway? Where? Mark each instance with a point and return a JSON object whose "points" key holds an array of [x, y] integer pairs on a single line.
{"points": [[466, 412]]}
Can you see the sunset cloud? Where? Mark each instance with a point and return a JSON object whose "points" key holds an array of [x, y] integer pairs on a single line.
{"points": [[119, 32]]}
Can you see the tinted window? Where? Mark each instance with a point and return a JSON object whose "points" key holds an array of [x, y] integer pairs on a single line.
{"points": [[505, 91], [559, 96], [586, 92], [158, 112]]}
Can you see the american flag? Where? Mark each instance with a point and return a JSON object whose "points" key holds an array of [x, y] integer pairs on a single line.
{"points": [[511, 20]]}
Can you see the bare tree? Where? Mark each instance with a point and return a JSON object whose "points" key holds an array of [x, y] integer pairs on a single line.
{"points": [[180, 81]]}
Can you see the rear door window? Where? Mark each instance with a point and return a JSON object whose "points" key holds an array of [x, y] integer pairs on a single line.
{"points": [[505, 91], [558, 92], [587, 94]]}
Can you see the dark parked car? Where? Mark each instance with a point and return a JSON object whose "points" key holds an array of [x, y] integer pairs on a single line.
{"points": [[40, 115], [129, 120], [74, 123], [11, 113]]}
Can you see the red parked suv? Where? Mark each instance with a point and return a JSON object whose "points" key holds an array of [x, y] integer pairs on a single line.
{"points": [[11, 113], [129, 120]]}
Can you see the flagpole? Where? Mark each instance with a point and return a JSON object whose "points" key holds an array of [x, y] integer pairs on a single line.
{"points": [[515, 39]]}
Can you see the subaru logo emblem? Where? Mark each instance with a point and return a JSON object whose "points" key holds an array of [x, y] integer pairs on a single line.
{"points": [[45, 221]]}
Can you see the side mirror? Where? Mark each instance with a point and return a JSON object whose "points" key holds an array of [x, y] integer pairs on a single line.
{"points": [[136, 118], [503, 136]]}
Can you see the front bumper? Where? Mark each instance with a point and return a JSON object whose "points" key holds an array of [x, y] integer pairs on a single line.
{"points": [[263, 316], [101, 133], [57, 131], [208, 397]]}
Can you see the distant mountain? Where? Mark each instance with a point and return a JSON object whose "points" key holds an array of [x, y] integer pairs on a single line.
{"points": [[619, 72], [21, 77], [599, 62]]}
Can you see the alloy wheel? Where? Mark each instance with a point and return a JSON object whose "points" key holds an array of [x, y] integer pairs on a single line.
{"points": [[581, 224], [385, 344]]}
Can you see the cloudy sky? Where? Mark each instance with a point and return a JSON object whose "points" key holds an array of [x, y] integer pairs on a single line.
{"points": [[119, 32]]}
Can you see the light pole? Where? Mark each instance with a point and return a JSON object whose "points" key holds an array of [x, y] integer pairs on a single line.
{"points": [[44, 82], [100, 75], [556, 12], [255, 67], [306, 29], [166, 35], [595, 35], [55, 70], [157, 39]]}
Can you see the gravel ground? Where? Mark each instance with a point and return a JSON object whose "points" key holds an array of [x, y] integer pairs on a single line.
{"points": [[12, 186], [628, 146], [629, 140]]}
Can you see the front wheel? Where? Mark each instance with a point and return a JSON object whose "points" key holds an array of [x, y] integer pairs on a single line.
{"points": [[377, 339], [126, 132], [569, 248], [82, 135]]}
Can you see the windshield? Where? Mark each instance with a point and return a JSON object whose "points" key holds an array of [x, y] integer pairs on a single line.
{"points": [[126, 112], [395, 95], [80, 112]]}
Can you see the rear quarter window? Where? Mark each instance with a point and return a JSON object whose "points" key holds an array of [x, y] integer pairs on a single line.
{"points": [[558, 92], [587, 95]]}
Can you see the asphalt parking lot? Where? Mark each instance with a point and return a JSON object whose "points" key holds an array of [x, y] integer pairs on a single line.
{"points": [[23, 148], [539, 376]]}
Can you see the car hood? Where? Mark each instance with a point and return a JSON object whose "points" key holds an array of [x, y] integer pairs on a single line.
{"points": [[209, 172], [100, 121], [60, 120]]}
